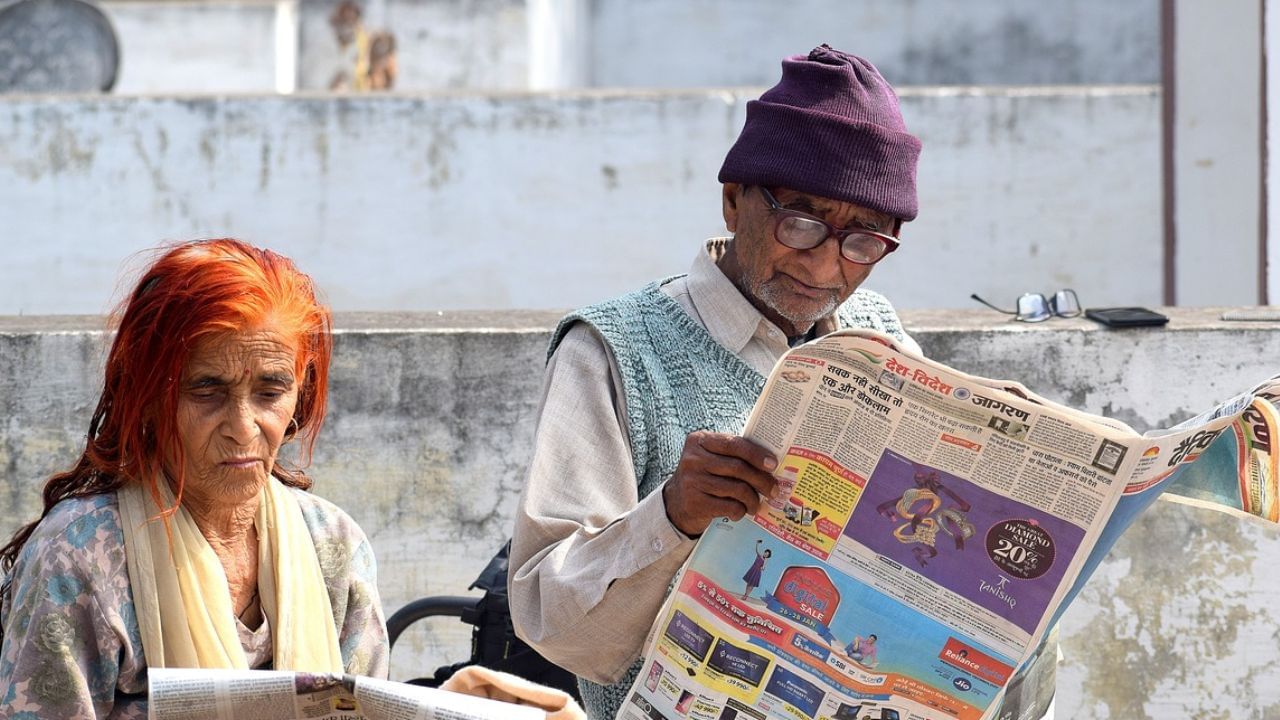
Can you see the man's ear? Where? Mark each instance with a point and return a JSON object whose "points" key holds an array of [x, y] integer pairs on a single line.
{"points": [[730, 193]]}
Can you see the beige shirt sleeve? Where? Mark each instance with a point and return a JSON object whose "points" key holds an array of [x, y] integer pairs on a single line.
{"points": [[590, 561]]}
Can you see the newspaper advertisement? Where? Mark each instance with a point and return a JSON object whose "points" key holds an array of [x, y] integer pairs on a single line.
{"points": [[931, 527], [181, 694]]}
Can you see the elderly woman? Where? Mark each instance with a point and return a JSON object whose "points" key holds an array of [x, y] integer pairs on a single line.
{"points": [[180, 538]]}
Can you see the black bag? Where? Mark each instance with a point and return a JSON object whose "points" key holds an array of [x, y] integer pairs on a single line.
{"points": [[493, 638]]}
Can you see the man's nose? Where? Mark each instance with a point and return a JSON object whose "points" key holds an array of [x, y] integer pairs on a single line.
{"points": [[823, 260]]}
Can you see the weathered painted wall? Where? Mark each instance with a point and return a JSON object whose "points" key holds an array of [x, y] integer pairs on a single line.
{"points": [[1218, 150], [432, 418], [554, 200], [213, 45], [1271, 157], [440, 44], [191, 47], [675, 43]]}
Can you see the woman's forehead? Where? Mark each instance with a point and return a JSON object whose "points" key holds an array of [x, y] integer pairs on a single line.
{"points": [[242, 350]]}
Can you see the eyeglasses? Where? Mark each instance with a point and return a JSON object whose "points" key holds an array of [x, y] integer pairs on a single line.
{"points": [[801, 231], [1034, 307]]}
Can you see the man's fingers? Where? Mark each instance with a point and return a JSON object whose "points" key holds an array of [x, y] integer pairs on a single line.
{"points": [[731, 509], [719, 475], [715, 507], [730, 489], [737, 469], [739, 447], [693, 504]]}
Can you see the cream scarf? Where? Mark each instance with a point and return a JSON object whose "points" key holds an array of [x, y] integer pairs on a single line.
{"points": [[180, 590]]}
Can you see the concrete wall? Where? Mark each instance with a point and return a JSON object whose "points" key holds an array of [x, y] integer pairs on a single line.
{"points": [[196, 46], [675, 43], [227, 46], [211, 45], [535, 201], [1218, 151], [431, 424], [1271, 165], [440, 44]]}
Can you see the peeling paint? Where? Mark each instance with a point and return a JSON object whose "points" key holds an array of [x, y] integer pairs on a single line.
{"points": [[610, 174], [1171, 615], [320, 144], [155, 169], [59, 150], [208, 150], [264, 165], [65, 152]]}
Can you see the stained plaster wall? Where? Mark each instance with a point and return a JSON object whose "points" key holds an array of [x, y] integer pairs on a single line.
{"points": [[494, 201], [226, 46], [220, 46], [1218, 151], [913, 42], [439, 44], [431, 422]]}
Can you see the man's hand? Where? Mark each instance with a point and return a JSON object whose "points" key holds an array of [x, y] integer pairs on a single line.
{"points": [[719, 475]]}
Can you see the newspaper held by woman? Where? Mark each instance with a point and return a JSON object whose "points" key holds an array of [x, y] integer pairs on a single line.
{"points": [[478, 694]]}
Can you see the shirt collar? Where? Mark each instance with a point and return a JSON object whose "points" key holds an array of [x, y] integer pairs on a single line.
{"points": [[729, 317]]}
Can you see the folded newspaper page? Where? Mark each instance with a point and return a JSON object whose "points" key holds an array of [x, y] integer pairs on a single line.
{"points": [[281, 695], [933, 527]]}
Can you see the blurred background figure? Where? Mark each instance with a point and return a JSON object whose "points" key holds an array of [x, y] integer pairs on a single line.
{"points": [[364, 60], [382, 61]]}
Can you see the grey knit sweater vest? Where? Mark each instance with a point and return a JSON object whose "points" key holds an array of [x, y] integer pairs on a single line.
{"points": [[677, 379]]}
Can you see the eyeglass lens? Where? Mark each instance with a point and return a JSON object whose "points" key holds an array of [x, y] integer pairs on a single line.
{"points": [[803, 234], [1065, 303], [1033, 307]]}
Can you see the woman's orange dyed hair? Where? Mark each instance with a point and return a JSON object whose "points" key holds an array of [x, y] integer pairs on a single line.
{"points": [[191, 292]]}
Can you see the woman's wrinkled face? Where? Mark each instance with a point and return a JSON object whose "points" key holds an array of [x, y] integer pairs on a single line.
{"points": [[236, 401]]}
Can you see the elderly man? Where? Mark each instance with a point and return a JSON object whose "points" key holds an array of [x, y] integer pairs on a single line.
{"points": [[637, 448]]}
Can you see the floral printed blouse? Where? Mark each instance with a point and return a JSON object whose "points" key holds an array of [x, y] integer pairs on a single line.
{"points": [[71, 645]]}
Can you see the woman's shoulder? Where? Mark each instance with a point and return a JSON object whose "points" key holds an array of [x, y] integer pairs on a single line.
{"points": [[341, 546], [71, 509], [78, 524], [324, 519], [76, 550]]}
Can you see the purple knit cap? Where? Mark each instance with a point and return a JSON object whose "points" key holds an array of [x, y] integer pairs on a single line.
{"points": [[831, 127]]}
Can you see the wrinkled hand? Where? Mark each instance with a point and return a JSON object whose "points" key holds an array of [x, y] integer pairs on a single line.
{"points": [[719, 475]]}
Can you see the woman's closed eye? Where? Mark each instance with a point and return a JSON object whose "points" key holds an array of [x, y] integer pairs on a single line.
{"points": [[207, 393]]}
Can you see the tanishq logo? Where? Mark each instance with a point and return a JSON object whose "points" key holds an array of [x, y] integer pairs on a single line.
{"points": [[997, 589]]}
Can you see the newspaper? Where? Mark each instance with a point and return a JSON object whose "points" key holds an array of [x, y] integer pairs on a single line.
{"points": [[281, 695], [933, 528]]}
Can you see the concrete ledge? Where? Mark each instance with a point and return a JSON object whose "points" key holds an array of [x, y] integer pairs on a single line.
{"points": [[432, 419]]}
